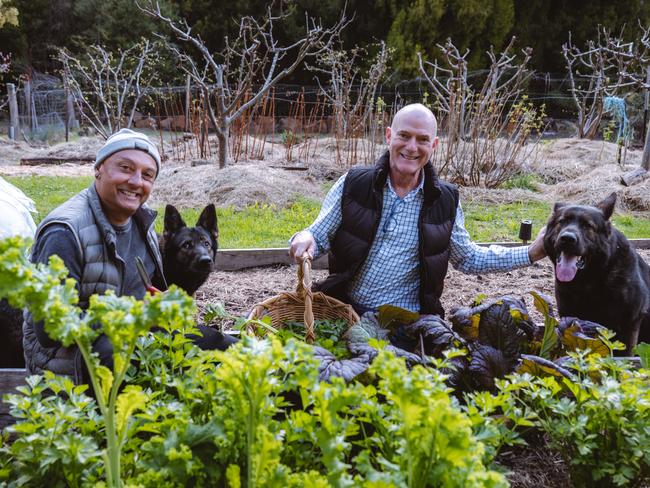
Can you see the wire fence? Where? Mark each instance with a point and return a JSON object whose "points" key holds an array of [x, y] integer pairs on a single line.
{"points": [[46, 109]]}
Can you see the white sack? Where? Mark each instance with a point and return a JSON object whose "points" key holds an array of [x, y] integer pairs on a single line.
{"points": [[15, 212]]}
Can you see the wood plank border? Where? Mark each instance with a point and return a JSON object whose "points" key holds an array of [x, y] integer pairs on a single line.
{"points": [[37, 161], [10, 378], [238, 259]]}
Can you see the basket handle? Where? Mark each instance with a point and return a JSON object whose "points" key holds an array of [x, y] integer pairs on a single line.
{"points": [[304, 291]]}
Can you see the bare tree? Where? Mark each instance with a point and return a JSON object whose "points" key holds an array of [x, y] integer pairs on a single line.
{"points": [[107, 86], [254, 56], [5, 63], [601, 70], [350, 91], [487, 126]]}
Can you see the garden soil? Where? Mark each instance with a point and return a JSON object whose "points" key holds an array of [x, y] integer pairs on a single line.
{"points": [[569, 170]]}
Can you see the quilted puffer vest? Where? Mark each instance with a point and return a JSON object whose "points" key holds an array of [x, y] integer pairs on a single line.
{"points": [[102, 270], [361, 206]]}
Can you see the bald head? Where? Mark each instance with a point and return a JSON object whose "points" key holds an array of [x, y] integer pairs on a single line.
{"points": [[416, 111]]}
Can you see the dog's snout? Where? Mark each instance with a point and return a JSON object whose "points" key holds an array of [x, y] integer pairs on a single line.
{"points": [[205, 260], [568, 238]]}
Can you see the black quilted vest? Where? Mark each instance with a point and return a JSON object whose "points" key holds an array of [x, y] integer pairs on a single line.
{"points": [[361, 207]]}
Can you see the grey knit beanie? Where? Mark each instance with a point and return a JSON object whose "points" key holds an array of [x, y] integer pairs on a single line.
{"points": [[127, 139]]}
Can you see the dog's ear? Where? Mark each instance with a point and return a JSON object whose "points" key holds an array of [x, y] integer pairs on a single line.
{"points": [[173, 220], [208, 220], [558, 206], [607, 205]]}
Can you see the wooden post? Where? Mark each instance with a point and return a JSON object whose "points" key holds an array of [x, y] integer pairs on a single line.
{"points": [[646, 102], [69, 102], [645, 159], [14, 126], [66, 93], [28, 105], [188, 98]]}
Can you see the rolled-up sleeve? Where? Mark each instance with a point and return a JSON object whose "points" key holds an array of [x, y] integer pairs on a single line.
{"points": [[469, 257], [329, 219]]}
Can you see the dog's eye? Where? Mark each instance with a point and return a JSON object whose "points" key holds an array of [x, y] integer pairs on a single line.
{"points": [[187, 244], [588, 224], [207, 244]]}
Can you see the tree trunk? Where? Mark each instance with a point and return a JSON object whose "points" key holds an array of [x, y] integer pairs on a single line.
{"points": [[222, 135]]}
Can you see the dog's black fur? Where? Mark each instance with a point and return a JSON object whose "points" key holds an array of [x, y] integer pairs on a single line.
{"points": [[189, 253], [598, 275], [11, 328]]}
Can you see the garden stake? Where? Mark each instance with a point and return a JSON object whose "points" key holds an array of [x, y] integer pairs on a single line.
{"points": [[525, 231]]}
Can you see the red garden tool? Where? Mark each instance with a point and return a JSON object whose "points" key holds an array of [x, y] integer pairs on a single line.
{"points": [[145, 277]]}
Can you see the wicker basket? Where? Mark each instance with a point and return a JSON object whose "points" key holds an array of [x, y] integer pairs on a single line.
{"points": [[304, 306]]}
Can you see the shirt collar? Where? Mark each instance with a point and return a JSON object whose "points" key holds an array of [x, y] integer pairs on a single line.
{"points": [[415, 191]]}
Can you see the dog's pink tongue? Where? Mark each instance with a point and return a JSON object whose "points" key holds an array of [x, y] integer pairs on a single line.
{"points": [[566, 267]]}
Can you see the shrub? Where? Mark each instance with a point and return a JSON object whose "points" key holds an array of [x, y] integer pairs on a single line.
{"points": [[255, 415]]}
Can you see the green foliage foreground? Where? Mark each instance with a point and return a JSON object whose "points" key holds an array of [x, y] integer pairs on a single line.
{"points": [[190, 418], [256, 415]]}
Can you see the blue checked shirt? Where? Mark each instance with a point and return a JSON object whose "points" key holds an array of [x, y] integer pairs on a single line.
{"points": [[390, 274]]}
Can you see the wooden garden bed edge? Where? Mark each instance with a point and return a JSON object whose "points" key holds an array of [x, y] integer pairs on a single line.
{"points": [[238, 259]]}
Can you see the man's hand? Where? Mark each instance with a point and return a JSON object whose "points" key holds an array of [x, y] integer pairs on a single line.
{"points": [[536, 249], [303, 242]]}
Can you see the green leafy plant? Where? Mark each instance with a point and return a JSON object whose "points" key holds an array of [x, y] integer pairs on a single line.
{"points": [[257, 415], [549, 340], [643, 351], [51, 297], [428, 440], [598, 420], [291, 138]]}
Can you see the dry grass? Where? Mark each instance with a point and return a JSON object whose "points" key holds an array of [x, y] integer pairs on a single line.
{"points": [[239, 186], [571, 170]]}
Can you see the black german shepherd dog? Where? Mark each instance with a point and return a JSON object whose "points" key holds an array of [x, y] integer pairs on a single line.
{"points": [[598, 275], [189, 253]]}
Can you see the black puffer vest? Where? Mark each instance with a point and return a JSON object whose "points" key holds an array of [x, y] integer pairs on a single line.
{"points": [[361, 207]]}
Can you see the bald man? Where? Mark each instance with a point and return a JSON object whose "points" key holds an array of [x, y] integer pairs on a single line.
{"points": [[391, 229]]}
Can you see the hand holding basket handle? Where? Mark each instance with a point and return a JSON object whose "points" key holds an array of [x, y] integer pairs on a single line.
{"points": [[302, 243]]}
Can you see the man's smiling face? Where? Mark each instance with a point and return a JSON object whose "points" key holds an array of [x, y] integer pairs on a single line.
{"points": [[411, 141], [123, 182]]}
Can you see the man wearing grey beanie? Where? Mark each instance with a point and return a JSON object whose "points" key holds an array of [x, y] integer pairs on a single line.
{"points": [[99, 233]]}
